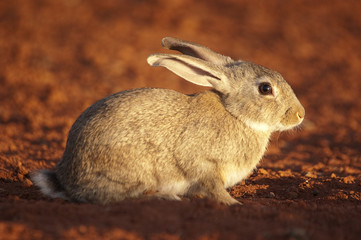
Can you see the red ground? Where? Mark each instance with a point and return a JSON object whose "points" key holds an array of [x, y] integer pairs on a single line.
{"points": [[58, 57]]}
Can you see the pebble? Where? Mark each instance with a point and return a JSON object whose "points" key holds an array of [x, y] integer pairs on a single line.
{"points": [[263, 171], [287, 173], [27, 183], [311, 175], [20, 177], [348, 179]]}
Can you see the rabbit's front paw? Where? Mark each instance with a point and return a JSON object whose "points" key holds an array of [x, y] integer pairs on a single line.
{"points": [[214, 188], [225, 198]]}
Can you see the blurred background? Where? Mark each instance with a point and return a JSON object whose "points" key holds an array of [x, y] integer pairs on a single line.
{"points": [[59, 57]]}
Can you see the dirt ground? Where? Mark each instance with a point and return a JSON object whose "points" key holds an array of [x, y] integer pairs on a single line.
{"points": [[58, 57]]}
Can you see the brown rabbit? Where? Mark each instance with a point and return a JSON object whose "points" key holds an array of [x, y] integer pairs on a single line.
{"points": [[167, 144]]}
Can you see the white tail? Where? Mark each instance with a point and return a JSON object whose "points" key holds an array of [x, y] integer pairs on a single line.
{"points": [[48, 183]]}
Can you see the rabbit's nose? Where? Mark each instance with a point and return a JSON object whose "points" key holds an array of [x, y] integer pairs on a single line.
{"points": [[301, 113]]}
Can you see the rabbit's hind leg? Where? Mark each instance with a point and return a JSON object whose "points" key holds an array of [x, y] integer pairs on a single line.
{"points": [[160, 195]]}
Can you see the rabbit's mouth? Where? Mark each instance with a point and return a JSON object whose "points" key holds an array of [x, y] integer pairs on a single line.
{"points": [[292, 118]]}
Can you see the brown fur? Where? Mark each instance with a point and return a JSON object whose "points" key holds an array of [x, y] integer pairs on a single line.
{"points": [[167, 144]]}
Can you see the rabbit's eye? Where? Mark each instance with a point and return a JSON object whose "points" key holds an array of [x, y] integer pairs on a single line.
{"points": [[265, 89]]}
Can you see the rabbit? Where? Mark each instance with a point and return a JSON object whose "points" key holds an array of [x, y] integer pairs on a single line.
{"points": [[160, 143]]}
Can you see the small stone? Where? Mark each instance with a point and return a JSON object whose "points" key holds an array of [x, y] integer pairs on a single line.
{"points": [[287, 173], [20, 177], [348, 179], [263, 171], [27, 183], [311, 175], [272, 194]]}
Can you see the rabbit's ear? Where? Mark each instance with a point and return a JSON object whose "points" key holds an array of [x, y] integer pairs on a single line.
{"points": [[193, 70], [195, 50]]}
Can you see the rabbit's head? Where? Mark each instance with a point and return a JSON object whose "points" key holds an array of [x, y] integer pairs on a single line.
{"points": [[257, 96]]}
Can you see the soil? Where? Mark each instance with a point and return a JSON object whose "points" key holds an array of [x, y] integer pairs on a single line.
{"points": [[59, 57]]}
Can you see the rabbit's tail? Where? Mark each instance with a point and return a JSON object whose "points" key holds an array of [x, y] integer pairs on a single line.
{"points": [[49, 184]]}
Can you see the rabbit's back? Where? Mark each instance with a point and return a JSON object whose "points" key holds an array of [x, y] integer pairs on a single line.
{"points": [[112, 144]]}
